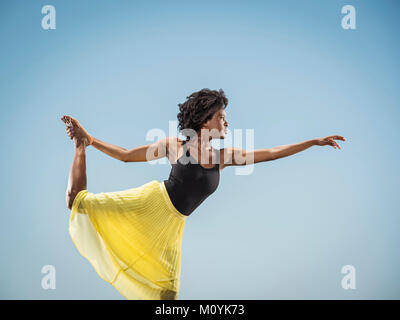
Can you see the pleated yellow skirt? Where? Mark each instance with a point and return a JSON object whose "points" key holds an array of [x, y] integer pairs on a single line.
{"points": [[132, 238]]}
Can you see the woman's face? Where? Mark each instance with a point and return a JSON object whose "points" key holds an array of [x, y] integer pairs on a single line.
{"points": [[218, 123]]}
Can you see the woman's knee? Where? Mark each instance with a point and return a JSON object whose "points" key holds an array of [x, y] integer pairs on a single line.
{"points": [[70, 197]]}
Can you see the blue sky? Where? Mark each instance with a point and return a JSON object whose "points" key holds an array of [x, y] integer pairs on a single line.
{"points": [[291, 73]]}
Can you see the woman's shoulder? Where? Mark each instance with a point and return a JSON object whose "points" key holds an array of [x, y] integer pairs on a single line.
{"points": [[173, 144], [173, 140]]}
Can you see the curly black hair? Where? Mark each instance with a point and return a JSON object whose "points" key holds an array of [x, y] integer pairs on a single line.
{"points": [[199, 107]]}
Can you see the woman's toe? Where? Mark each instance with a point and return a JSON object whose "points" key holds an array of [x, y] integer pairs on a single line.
{"points": [[74, 122]]}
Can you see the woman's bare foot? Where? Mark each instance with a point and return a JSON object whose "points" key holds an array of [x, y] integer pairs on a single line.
{"points": [[76, 132]]}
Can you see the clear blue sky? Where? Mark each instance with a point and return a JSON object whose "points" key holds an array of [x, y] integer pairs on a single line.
{"points": [[291, 73]]}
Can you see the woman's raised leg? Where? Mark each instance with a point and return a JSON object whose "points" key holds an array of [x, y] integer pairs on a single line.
{"points": [[77, 176], [77, 180]]}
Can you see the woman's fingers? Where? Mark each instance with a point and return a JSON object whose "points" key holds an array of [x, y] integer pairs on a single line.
{"points": [[74, 122], [334, 144], [67, 120], [70, 131], [330, 140], [337, 138], [70, 123]]}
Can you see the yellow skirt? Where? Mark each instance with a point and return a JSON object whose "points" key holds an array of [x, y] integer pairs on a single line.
{"points": [[132, 238]]}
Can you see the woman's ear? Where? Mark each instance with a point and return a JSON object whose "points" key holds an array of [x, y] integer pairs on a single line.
{"points": [[205, 125]]}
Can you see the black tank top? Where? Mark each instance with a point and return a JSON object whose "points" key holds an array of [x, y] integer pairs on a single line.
{"points": [[189, 184]]}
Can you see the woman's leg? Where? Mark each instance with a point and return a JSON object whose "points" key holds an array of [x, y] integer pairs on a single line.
{"points": [[77, 176]]}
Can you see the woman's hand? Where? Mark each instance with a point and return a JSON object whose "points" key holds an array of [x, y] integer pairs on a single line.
{"points": [[329, 141], [76, 131]]}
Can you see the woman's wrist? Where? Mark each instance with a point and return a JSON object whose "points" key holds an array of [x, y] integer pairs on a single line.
{"points": [[91, 140]]}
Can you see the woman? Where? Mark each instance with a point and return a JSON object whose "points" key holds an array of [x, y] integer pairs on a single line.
{"points": [[133, 237]]}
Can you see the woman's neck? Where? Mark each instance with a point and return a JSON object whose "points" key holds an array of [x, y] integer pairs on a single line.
{"points": [[201, 143]]}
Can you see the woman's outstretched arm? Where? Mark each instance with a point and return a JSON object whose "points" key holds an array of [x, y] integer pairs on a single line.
{"points": [[143, 153], [290, 149], [236, 156], [148, 152], [110, 149]]}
